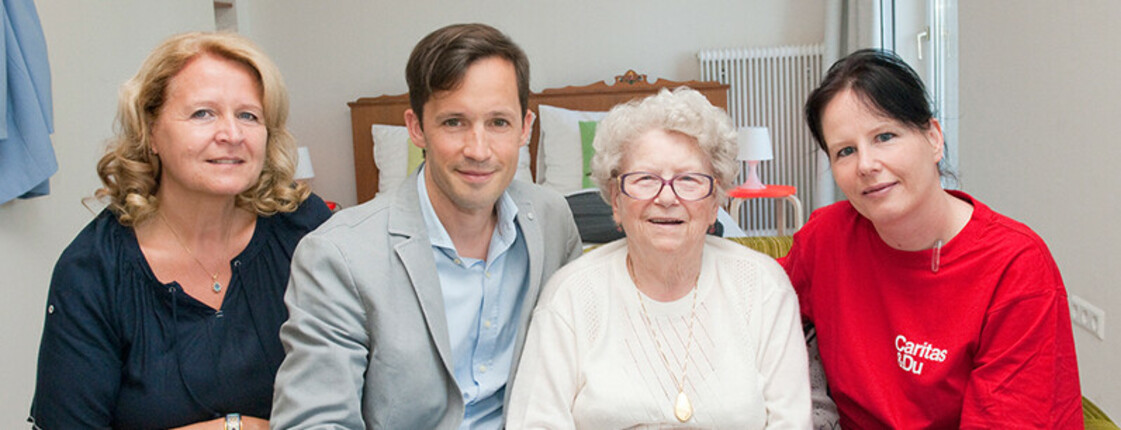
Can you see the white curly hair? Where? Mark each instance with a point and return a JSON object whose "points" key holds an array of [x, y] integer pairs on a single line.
{"points": [[683, 110]]}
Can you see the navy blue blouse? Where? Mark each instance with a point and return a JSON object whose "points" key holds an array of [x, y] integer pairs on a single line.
{"points": [[122, 350]]}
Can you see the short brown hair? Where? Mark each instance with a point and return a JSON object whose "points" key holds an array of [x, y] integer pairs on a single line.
{"points": [[440, 60], [130, 172]]}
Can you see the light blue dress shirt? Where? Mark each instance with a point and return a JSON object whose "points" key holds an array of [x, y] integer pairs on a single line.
{"points": [[482, 299], [27, 159]]}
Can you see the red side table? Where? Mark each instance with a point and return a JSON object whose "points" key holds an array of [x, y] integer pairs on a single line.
{"points": [[785, 192]]}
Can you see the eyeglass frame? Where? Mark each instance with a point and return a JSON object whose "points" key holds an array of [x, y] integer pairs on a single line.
{"points": [[711, 185]]}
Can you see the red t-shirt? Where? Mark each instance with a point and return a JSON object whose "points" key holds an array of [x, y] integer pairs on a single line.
{"points": [[983, 342]]}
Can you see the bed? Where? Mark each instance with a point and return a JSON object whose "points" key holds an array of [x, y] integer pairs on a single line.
{"points": [[384, 116]]}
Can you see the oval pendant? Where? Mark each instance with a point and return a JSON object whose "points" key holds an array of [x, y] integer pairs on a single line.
{"points": [[682, 409], [217, 287]]}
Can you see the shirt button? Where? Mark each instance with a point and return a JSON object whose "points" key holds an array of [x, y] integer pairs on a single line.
{"points": [[486, 323], [458, 261], [529, 215], [487, 274], [483, 368], [50, 310]]}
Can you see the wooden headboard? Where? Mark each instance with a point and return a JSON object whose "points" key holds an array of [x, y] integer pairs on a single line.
{"points": [[390, 110]]}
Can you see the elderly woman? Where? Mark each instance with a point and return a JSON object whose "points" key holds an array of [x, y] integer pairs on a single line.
{"points": [[932, 310], [668, 327], [165, 310]]}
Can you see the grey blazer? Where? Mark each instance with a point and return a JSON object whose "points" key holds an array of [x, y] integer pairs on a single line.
{"points": [[367, 339]]}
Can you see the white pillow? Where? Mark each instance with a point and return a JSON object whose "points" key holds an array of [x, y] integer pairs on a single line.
{"points": [[391, 155], [524, 173], [560, 152]]}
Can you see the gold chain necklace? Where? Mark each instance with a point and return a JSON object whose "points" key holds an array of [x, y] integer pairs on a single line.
{"points": [[217, 287], [682, 407]]}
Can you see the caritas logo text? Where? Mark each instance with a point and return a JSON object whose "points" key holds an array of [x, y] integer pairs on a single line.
{"points": [[913, 355]]}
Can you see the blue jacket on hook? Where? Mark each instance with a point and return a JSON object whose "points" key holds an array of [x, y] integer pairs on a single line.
{"points": [[27, 159]]}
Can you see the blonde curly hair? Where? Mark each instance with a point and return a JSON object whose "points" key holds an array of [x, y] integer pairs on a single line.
{"points": [[130, 171]]}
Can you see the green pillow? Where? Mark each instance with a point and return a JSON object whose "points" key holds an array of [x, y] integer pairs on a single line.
{"points": [[587, 135], [416, 156]]}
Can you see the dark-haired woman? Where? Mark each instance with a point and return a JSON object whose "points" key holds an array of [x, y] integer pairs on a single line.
{"points": [[932, 310]]}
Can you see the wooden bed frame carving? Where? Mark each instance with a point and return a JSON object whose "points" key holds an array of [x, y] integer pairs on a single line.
{"points": [[599, 96]]}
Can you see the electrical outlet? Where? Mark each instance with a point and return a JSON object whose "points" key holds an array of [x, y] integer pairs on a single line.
{"points": [[1087, 316]]}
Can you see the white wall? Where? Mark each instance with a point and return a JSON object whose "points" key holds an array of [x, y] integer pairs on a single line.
{"points": [[93, 47], [359, 48], [330, 53], [1040, 103]]}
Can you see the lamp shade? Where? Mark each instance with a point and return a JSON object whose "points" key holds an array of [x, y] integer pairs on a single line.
{"points": [[303, 165], [755, 144]]}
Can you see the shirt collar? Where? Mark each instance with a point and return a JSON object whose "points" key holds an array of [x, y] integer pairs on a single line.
{"points": [[505, 231]]}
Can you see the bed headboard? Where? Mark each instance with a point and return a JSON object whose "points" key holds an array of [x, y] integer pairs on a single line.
{"points": [[599, 96]]}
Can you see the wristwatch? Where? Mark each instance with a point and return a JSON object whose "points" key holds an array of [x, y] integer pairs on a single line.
{"points": [[233, 421]]}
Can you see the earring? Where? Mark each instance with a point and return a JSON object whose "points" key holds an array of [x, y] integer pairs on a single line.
{"points": [[712, 229]]}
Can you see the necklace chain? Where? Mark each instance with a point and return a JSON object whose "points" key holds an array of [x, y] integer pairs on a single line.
{"points": [[683, 409], [217, 287]]}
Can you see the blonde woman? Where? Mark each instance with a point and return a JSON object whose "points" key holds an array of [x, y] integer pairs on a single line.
{"points": [[165, 310]]}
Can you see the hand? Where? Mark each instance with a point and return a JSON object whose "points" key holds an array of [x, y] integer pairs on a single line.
{"points": [[247, 423]]}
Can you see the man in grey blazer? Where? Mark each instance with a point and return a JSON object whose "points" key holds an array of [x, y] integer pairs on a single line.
{"points": [[409, 311]]}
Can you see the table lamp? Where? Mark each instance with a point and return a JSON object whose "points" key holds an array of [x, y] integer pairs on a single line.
{"points": [[304, 171], [303, 165], [755, 146]]}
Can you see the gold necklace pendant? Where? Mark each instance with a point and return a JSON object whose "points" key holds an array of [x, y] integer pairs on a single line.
{"points": [[682, 409], [217, 287]]}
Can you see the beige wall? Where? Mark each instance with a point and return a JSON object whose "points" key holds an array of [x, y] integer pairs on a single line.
{"points": [[1040, 104], [330, 53], [359, 48]]}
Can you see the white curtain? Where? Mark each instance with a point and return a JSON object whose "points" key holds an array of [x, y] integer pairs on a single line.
{"points": [[850, 25]]}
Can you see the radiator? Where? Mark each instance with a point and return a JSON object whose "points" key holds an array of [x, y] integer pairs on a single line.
{"points": [[769, 87]]}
